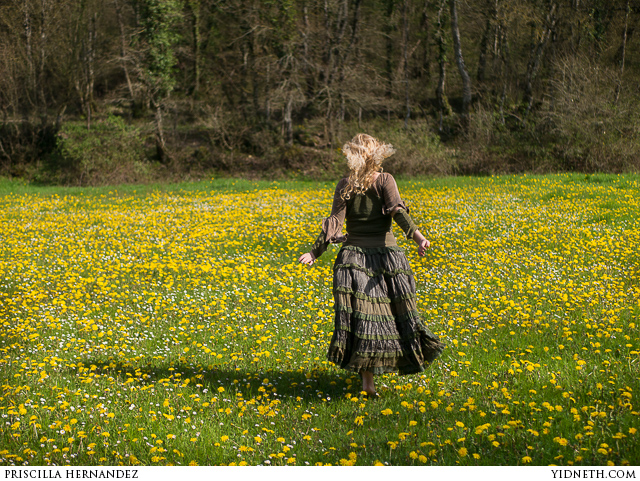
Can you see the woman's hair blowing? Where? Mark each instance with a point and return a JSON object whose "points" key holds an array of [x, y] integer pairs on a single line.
{"points": [[364, 157]]}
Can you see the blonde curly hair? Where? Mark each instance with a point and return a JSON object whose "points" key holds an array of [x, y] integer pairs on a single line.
{"points": [[364, 157]]}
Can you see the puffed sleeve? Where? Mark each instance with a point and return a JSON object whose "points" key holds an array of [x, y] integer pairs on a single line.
{"points": [[391, 195], [332, 225]]}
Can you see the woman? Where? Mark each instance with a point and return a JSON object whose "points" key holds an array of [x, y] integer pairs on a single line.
{"points": [[377, 325]]}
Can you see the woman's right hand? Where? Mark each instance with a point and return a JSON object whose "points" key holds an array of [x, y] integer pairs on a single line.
{"points": [[423, 243], [307, 259]]}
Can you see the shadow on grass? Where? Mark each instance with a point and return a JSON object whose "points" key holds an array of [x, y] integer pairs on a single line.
{"points": [[311, 385]]}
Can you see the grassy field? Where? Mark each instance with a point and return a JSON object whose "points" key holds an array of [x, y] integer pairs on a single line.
{"points": [[171, 325]]}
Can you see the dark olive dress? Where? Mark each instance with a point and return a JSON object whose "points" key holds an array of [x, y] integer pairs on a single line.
{"points": [[377, 325]]}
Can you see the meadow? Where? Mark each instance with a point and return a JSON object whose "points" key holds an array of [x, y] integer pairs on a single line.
{"points": [[170, 324]]}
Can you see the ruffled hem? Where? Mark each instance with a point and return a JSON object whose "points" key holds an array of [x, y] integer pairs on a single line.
{"points": [[387, 261], [353, 314], [377, 326], [374, 273], [380, 300]]}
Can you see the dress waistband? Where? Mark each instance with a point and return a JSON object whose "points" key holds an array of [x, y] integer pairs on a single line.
{"points": [[385, 239]]}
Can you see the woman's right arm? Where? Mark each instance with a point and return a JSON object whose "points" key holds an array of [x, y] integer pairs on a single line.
{"points": [[331, 227]]}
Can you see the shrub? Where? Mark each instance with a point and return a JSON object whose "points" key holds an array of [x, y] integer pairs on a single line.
{"points": [[580, 125], [110, 152], [594, 130]]}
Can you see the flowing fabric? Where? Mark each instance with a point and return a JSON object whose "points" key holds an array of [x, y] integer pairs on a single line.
{"points": [[377, 326]]}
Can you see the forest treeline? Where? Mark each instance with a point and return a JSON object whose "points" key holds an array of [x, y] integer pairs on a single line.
{"points": [[102, 91]]}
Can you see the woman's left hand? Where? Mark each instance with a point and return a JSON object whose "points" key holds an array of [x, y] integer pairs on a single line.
{"points": [[307, 259], [423, 245]]}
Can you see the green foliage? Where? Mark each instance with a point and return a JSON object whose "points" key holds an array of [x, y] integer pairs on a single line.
{"points": [[599, 18], [112, 151], [159, 19], [282, 17], [230, 82]]}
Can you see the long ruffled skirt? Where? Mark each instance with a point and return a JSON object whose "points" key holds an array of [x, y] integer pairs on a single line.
{"points": [[377, 324]]}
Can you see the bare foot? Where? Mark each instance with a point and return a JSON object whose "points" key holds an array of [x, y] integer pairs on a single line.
{"points": [[368, 384]]}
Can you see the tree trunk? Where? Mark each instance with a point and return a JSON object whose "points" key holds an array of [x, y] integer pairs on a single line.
{"points": [[484, 42], [244, 73], [328, 69], [267, 103], [309, 77], [256, 83], [160, 142], [346, 52], [90, 69], [388, 30], [504, 57], [197, 40], [624, 51], [405, 54], [426, 51], [335, 56], [288, 121], [84, 38], [536, 58], [123, 49], [444, 109], [576, 27], [457, 49], [43, 60], [31, 87]]}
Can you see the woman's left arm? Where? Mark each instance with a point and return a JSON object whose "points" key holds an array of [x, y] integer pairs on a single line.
{"points": [[400, 214]]}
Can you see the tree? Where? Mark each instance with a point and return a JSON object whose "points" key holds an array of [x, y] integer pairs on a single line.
{"points": [[158, 19], [457, 50], [124, 55], [535, 58], [444, 109], [260, 74], [623, 49], [83, 44]]}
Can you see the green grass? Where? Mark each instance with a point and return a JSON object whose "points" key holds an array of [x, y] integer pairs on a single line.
{"points": [[170, 324]]}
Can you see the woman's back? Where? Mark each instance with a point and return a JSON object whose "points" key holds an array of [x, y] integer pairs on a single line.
{"points": [[365, 215]]}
